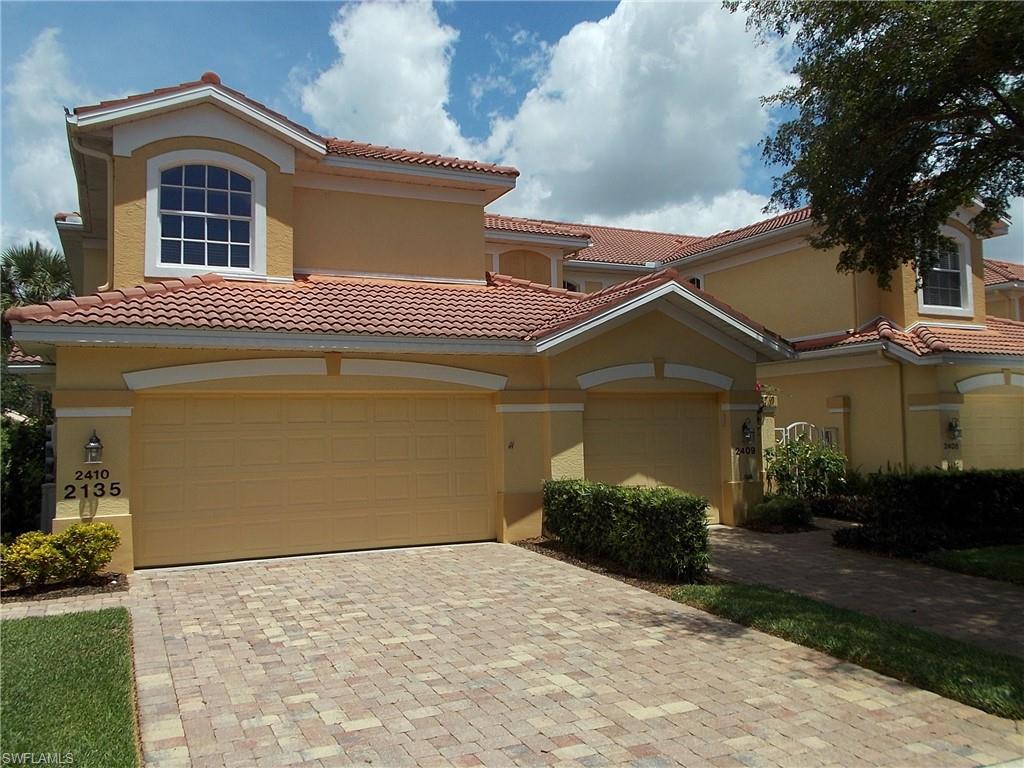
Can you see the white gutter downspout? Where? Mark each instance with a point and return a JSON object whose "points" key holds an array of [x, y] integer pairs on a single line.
{"points": [[109, 160]]}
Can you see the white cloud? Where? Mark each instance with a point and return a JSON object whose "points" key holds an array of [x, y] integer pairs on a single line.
{"points": [[389, 84], [40, 179], [1009, 247], [644, 116]]}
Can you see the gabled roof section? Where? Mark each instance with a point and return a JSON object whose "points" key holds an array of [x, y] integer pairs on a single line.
{"points": [[629, 247], [999, 272], [530, 316], [498, 223], [209, 88], [999, 337], [733, 236]]}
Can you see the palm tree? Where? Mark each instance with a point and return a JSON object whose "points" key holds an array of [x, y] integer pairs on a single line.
{"points": [[33, 274]]}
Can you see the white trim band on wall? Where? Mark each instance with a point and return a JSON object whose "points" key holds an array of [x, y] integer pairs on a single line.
{"points": [[404, 370], [71, 413], [980, 381], [937, 407], [1017, 379], [615, 373], [226, 369], [838, 410], [539, 408], [703, 375], [751, 407]]}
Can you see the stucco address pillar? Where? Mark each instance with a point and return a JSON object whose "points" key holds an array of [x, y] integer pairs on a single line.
{"points": [[95, 492], [740, 455], [541, 437], [932, 420]]}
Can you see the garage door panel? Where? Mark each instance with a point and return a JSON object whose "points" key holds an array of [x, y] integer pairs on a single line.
{"points": [[287, 474], [636, 440], [993, 431]]}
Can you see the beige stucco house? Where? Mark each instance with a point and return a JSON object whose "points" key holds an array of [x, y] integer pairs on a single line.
{"points": [[287, 343]]}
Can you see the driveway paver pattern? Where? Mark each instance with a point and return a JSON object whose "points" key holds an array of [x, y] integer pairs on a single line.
{"points": [[492, 655], [984, 612]]}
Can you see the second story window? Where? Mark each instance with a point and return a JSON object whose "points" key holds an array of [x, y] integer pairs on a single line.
{"points": [[943, 283], [206, 217]]}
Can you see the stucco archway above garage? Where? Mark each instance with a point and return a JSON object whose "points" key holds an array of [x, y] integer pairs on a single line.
{"points": [[983, 381]]}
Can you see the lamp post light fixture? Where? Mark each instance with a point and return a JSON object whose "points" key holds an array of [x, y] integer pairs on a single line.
{"points": [[94, 450], [955, 431], [748, 432]]}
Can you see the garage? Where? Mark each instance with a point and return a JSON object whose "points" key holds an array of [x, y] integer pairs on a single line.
{"points": [[232, 476], [652, 440], [993, 431]]}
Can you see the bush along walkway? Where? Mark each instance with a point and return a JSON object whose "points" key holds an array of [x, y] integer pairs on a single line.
{"points": [[982, 612]]}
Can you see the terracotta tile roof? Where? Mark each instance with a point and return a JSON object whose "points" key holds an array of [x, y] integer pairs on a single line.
{"points": [[997, 272], [735, 235], [334, 146], [505, 308], [499, 223], [378, 152], [17, 356], [999, 337]]}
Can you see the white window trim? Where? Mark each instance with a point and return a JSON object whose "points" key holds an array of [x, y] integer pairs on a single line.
{"points": [[966, 308], [258, 245]]}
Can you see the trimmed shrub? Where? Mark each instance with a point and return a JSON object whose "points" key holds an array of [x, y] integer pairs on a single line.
{"points": [[657, 532], [920, 511], [87, 547], [782, 511], [22, 469], [840, 507], [79, 552], [804, 469]]}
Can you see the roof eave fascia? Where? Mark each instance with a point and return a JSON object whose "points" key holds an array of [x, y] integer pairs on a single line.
{"points": [[902, 353], [1009, 285], [482, 179], [28, 369], [567, 243], [125, 336], [765, 237], [756, 340], [612, 266], [198, 94]]}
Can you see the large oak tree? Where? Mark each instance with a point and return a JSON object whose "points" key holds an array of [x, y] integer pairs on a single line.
{"points": [[903, 112]]}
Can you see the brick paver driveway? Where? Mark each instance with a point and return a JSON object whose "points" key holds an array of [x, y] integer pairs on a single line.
{"points": [[980, 611], [489, 654]]}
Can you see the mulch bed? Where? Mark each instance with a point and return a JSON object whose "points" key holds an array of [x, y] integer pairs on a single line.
{"points": [[553, 548], [99, 584]]}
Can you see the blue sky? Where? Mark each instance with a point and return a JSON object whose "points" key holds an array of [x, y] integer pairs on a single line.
{"points": [[643, 115]]}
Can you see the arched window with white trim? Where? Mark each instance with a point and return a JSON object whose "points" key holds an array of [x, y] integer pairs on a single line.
{"points": [[205, 217], [946, 288], [205, 212]]}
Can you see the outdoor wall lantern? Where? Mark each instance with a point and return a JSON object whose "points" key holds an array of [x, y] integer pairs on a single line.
{"points": [[748, 432], [94, 450], [955, 431]]}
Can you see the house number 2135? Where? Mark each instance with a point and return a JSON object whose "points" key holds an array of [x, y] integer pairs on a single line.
{"points": [[97, 489]]}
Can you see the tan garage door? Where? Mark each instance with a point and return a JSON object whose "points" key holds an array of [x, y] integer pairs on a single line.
{"points": [[647, 440], [234, 476], [993, 429]]}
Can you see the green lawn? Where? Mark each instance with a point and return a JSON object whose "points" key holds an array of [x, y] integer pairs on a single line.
{"points": [[1002, 563], [990, 681], [66, 686]]}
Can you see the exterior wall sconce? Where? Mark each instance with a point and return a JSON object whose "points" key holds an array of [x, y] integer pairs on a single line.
{"points": [[94, 450], [748, 432], [955, 432]]}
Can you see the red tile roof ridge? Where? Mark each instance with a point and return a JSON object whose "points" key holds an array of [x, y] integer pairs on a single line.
{"points": [[997, 272], [59, 306], [929, 339], [439, 283], [729, 236], [563, 230], [401, 154], [496, 278]]}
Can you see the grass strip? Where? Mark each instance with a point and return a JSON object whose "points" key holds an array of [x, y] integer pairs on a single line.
{"points": [[992, 682], [68, 689], [1000, 563]]}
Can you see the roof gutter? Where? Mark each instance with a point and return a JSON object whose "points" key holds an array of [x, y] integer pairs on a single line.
{"points": [[612, 266], [109, 160]]}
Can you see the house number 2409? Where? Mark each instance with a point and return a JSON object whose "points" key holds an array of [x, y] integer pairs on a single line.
{"points": [[98, 488]]}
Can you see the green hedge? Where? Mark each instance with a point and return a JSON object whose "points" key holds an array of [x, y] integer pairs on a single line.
{"points": [[914, 512], [650, 531], [22, 469], [783, 511]]}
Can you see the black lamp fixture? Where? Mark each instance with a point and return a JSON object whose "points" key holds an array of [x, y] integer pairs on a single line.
{"points": [[748, 432], [955, 432], [94, 450]]}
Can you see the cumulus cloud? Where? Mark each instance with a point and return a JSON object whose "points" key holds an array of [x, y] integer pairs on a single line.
{"points": [[1010, 247], [644, 116], [40, 178], [390, 83]]}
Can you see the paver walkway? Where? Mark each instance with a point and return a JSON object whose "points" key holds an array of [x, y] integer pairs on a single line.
{"points": [[980, 611], [490, 654]]}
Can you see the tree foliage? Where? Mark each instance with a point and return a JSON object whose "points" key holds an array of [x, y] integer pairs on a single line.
{"points": [[903, 112]]}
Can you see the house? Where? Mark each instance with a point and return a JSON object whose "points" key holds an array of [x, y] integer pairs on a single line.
{"points": [[896, 377], [286, 343]]}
